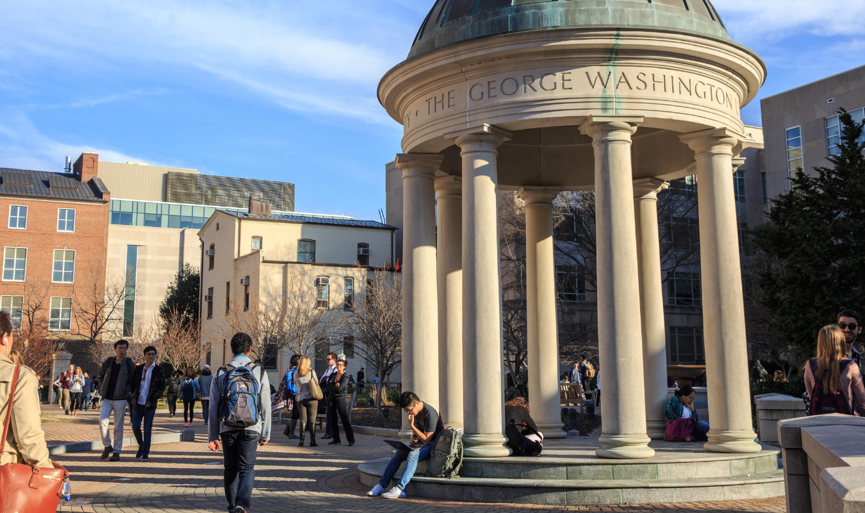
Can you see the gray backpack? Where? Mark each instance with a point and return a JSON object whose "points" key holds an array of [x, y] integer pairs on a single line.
{"points": [[447, 455]]}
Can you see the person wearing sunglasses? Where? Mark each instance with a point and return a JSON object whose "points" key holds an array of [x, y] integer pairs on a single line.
{"points": [[848, 322]]}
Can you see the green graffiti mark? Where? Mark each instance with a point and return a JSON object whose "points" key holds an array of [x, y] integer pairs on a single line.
{"points": [[611, 104]]}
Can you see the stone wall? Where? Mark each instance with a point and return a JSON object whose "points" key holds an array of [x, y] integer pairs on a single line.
{"points": [[823, 460]]}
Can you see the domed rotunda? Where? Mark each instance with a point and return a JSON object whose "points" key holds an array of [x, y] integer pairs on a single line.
{"points": [[543, 96]]}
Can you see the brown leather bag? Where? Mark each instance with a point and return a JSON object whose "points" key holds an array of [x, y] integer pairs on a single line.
{"points": [[25, 488]]}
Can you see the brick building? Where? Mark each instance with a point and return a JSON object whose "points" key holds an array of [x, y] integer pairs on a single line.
{"points": [[54, 231]]}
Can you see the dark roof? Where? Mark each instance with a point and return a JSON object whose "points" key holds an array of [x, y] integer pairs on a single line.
{"points": [[353, 223], [451, 22], [45, 184]]}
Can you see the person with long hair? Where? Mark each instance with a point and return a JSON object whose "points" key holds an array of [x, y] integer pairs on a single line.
{"points": [[76, 391], [681, 406], [303, 397], [834, 383], [189, 390]]}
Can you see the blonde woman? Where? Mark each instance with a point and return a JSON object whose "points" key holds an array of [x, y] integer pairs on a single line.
{"points": [[833, 382], [76, 390], [308, 405]]}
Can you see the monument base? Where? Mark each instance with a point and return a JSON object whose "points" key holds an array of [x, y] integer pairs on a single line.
{"points": [[569, 474]]}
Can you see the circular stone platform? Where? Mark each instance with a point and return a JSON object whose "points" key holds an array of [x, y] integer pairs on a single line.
{"points": [[569, 474]]}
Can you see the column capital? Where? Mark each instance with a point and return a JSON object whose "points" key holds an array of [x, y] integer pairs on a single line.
{"points": [[714, 141], [483, 133], [538, 195], [648, 188], [449, 187], [738, 162], [418, 164], [610, 128]]}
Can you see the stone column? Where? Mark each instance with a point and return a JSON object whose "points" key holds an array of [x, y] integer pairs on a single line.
{"points": [[419, 289], [483, 407], [723, 304], [651, 303], [543, 338], [449, 198], [619, 327]]}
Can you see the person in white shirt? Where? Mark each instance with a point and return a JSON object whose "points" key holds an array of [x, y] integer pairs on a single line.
{"points": [[145, 389], [331, 368]]}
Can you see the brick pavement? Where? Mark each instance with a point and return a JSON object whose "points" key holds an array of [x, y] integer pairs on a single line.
{"points": [[187, 477]]}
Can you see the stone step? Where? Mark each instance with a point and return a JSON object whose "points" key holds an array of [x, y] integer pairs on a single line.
{"points": [[586, 492]]}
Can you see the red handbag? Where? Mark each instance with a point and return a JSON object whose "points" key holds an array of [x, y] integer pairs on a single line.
{"points": [[680, 430], [25, 488]]}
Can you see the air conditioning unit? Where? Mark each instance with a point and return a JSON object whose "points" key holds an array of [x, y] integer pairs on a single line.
{"points": [[208, 298], [363, 251], [244, 281], [210, 252]]}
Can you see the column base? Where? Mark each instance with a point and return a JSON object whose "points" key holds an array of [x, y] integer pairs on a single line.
{"points": [[655, 429], [552, 430], [624, 447], [732, 442], [485, 446]]}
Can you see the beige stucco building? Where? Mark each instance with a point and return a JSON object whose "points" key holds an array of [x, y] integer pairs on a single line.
{"points": [[253, 263]]}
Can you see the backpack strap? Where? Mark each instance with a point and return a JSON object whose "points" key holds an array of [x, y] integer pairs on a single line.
{"points": [[9, 411]]}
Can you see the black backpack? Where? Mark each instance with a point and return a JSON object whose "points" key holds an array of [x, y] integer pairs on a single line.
{"points": [[518, 442], [823, 403]]}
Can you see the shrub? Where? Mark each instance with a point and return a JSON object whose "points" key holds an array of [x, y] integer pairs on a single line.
{"points": [[770, 386]]}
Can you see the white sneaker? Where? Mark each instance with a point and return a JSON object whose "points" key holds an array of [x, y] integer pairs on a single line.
{"points": [[394, 493], [375, 492]]}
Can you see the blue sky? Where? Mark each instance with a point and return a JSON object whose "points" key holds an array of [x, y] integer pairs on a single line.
{"points": [[284, 90]]}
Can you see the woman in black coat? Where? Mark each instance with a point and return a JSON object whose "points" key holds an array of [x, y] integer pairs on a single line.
{"points": [[335, 395]]}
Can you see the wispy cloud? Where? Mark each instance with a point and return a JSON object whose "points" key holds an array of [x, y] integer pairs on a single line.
{"points": [[23, 146], [111, 98], [773, 19], [300, 55]]}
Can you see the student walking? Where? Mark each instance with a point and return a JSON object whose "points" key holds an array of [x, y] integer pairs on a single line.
{"points": [[146, 387], [65, 381], [88, 391], [173, 389], [305, 401], [114, 376], [833, 382], [248, 430], [289, 389], [76, 391], [189, 390], [337, 387], [204, 388], [425, 425], [331, 368]]}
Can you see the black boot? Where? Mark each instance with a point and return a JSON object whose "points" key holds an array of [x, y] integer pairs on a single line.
{"points": [[312, 439], [300, 444]]}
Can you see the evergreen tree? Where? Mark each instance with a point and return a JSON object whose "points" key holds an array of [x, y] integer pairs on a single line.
{"points": [[814, 242], [183, 296]]}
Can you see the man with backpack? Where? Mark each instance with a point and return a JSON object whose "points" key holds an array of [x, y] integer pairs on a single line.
{"points": [[240, 418], [425, 425]]}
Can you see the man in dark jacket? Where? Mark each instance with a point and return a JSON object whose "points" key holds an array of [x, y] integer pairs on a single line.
{"points": [[114, 379], [173, 391], [335, 395], [88, 391], [145, 389]]}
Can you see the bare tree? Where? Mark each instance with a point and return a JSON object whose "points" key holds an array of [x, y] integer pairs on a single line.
{"points": [[98, 311], [289, 318], [179, 339], [376, 324], [36, 348]]}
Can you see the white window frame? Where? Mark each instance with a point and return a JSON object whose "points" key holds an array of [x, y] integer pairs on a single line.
{"points": [[260, 243], [60, 319], [801, 156], [348, 299], [18, 217], [26, 253], [11, 310], [63, 271], [836, 119], [74, 219], [322, 283]]}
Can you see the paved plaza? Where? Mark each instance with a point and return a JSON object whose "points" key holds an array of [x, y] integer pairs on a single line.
{"points": [[187, 477]]}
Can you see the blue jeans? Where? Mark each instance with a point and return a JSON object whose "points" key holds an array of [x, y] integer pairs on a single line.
{"points": [[701, 430], [239, 449], [139, 414], [87, 401], [412, 459]]}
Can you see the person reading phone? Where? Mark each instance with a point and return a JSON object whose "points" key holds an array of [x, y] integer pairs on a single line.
{"points": [[425, 426]]}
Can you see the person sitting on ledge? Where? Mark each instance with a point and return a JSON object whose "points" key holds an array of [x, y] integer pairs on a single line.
{"points": [[525, 440], [681, 406], [425, 426]]}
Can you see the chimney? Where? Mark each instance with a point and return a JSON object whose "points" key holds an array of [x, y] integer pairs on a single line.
{"points": [[86, 167], [257, 208]]}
